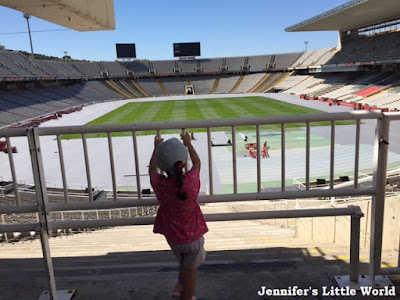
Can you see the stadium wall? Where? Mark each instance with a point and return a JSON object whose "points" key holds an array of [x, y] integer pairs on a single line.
{"points": [[336, 229]]}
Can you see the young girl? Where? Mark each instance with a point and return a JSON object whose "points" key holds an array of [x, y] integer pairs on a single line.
{"points": [[179, 217]]}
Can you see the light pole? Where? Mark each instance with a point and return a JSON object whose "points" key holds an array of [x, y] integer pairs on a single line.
{"points": [[65, 55], [306, 43], [27, 16]]}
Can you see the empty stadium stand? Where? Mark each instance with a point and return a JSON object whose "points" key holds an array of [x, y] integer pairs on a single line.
{"points": [[114, 68], [211, 65], [248, 82], [91, 69], [312, 58], [203, 85], [151, 86], [139, 67], [260, 63], [226, 84], [234, 63], [281, 62], [188, 66], [81, 82], [175, 86], [164, 66], [363, 48]]}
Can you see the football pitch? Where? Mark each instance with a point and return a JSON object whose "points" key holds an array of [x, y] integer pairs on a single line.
{"points": [[202, 109]]}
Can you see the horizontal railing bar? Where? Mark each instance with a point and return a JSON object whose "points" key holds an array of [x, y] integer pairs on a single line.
{"points": [[152, 201], [389, 271], [354, 115], [19, 227], [11, 209], [13, 132], [393, 116], [256, 215], [290, 195]]}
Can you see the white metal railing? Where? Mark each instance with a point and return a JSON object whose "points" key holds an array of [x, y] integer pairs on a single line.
{"points": [[45, 224]]}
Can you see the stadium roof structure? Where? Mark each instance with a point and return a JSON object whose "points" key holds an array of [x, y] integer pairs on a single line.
{"points": [[80, 15], [351, 15]]}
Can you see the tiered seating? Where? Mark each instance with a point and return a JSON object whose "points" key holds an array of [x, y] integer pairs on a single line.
{"points": [[164, 66], [103, 89], [7, 118], [14, 66], [382, 100], [188, 66], [57, 68], [369, 91], [284, 61], [211, 65], [331, 83], [59, 99], [5, 71], [22, 61], [47, 68], [12, 104], [136, 88], [226, 84], [91, 69], [305, 84], [86, 91], [23, 101], [259, 63], [234, 63], [114, 68], [326, 57], [68, 95], [368, 48], [34, 94], [313, 58], [137, 66], [202, 84], [270, 82], [151, 86], [291, 81], [175, 86], [352, 88], [248, 82]]}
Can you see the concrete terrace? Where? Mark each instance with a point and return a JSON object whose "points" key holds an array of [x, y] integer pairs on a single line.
{"points": [[133, 263]]}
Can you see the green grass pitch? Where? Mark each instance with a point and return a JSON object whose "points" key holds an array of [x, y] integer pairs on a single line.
{"points": [[199, 109]]}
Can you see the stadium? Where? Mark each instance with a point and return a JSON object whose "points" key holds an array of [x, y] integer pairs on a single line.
{"points": [[300, 164]]}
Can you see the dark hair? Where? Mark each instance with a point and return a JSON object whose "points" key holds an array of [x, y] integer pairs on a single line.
{"points": [[178, 166]]}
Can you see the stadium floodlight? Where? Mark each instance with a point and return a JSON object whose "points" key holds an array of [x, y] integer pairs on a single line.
{"points": [[306, 43], [27, 16]]}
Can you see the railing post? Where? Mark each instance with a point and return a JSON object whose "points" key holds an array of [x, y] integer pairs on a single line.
{"points": [[378, 200], [5, 233], [355, 244], [41, 194]]}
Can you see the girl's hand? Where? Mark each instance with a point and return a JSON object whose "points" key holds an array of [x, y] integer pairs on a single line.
{"points": [[186, 138], [157, 141]]}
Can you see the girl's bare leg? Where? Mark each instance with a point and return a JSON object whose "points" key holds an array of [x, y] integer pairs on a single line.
{"points": [[189, 283]]}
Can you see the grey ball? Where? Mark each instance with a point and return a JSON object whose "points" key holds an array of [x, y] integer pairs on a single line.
{"points": [[169, 152]]}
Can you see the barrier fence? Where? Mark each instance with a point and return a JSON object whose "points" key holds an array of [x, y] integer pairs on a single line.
{"points": [[377, 191]]}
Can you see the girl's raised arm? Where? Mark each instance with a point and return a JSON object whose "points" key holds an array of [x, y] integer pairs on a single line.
{"points": [[187, 140]]}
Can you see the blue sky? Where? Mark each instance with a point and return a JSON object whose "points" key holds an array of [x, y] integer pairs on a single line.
{"points": [[224, 28]]}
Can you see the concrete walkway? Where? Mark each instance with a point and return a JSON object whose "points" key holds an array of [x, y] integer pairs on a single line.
{"points": [[133, 263]]}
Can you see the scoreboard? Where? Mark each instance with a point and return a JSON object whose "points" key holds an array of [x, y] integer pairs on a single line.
{"points": [[186, 49], [126, 50]]}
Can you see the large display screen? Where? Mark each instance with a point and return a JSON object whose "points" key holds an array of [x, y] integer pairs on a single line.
{"points": [[126, 50], [186, 49]]}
